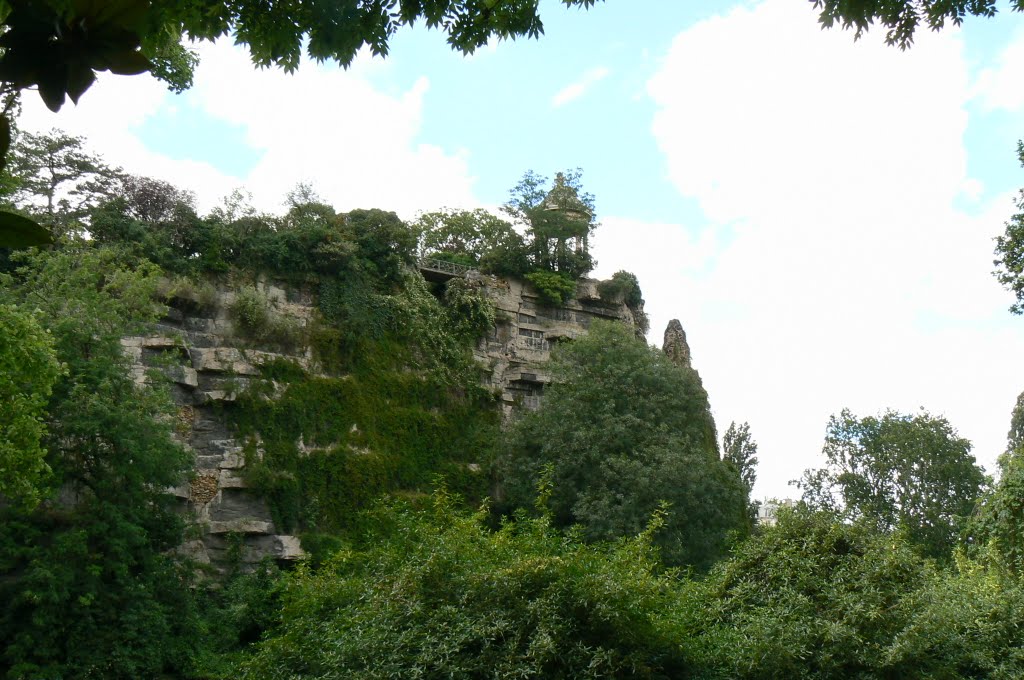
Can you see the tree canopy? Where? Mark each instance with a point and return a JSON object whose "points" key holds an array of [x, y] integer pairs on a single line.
{"points": [[93, 559], [624, 429], [558, 220], [440, 595], [740, 451], [57, 180], [900, 472], [57, 46], [472, 237], [902, 18], [28, 370]]}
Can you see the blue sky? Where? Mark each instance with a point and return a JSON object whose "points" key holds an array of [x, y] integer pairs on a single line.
{"points": [[818, 213]]}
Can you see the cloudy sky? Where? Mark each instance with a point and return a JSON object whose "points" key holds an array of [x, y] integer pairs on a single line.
{"points": [[818, 212]]}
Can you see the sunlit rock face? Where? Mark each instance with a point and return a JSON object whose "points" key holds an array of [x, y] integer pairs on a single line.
{"points": [[675, 346]]}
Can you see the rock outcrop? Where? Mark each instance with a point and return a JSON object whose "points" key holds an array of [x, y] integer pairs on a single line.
{"points": [[675, 346]]}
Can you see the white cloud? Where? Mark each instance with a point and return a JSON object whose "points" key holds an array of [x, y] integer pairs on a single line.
{"points": [[836, 271], [999, 86], [579, 88], [356, 144], [334, 129], [109, 116]]}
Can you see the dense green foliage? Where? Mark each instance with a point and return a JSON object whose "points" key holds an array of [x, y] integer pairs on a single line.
{"points": [[559, 221], [307, 242], [469, 237], [374, 431], [615, 477], [817, 598], [554, 288], [622, 286], [28, 370], [998, 523], [440, 595], [436, 593], [840, 588], [625, 429], [549, 247], [88, 585], [740, 451], [911, 473]]}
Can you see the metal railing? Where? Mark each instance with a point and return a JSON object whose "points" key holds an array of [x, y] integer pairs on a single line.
{"points": [[444, 267]]}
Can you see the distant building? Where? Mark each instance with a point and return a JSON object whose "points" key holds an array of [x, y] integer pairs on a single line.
{"points": [[767, 511]]}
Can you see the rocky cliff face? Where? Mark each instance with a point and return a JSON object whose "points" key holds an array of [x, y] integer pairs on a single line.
{"points": [[202, 352], [516, 354], [197, 347]]}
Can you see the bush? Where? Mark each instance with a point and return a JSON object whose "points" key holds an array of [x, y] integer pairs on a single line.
{"points": [[437, 594], [811, 598], [470, 311], [554, 288], [256, 319], [250, 310], [201, 294], [386, 245], [622, 286]]}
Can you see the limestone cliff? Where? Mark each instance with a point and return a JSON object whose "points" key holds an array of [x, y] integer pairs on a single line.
{"points": [[198, 348], [207, 359], [516, 354]]}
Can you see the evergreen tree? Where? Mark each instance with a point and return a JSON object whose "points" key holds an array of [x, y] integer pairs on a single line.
{"points": [[740, 451], [58, 181]]}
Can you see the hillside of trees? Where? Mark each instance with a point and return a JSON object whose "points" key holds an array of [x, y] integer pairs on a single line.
{"points": [[609, 533]]}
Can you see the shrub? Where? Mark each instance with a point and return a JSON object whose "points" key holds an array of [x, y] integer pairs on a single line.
{"points": [[193, 294], [622, 286], [554, 288], [469, 308], [250, 310], [437, 594], [256, 319]]}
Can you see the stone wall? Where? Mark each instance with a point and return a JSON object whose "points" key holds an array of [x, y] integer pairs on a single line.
{"points": [[208, 361]]}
